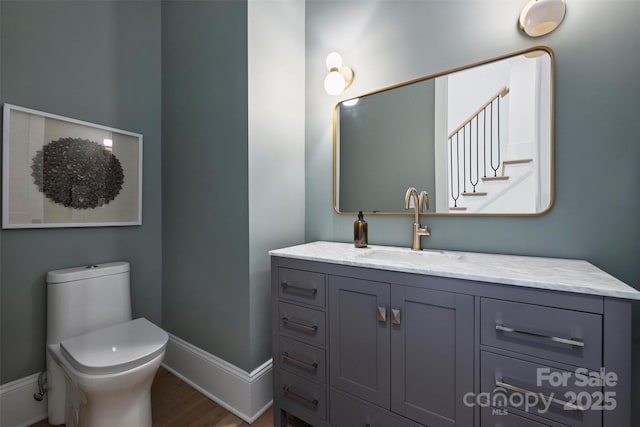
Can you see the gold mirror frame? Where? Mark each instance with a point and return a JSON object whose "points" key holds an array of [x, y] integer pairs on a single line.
{"points": [[547, 50]]}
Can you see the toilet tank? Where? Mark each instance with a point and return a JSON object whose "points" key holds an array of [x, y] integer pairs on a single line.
{"points": [[84, 299]]}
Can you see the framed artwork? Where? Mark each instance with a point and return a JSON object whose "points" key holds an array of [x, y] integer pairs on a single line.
{"points": [[62, 172]]}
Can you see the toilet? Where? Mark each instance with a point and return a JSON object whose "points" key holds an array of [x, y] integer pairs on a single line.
{"points": [[100, 362]]}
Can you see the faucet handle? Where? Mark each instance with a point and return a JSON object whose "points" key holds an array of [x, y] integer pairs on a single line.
{"points": [[407, 197], [423, 201]]}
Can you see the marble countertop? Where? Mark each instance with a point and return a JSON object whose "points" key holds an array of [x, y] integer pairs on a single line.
{"points": [[567, 275]]}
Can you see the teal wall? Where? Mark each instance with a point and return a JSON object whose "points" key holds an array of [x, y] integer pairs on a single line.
{"points": [[107, 62], [205, 262], [597, 149], [370, 145], [173, 68], [2, 345], [276, 152], [597, 112], [96, 61]]}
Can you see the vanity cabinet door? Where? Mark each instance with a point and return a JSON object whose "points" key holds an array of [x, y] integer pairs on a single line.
{"points": [[346, 411], [359, 338], [431, 356]]}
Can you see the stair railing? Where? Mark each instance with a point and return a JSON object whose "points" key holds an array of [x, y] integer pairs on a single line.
{"points": [[473, 159]]}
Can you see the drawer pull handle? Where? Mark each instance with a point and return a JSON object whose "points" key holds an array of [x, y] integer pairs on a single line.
{"points": [[311, 291], [312, 404], [312, 329], [574, 342], [301, 363], [564, 404]]}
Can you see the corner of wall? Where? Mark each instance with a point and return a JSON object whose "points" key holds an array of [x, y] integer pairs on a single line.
{"points": [[246, 394], [276, 97]]}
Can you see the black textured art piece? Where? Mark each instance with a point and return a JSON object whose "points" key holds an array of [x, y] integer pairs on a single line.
{"points": [[77, 173]]}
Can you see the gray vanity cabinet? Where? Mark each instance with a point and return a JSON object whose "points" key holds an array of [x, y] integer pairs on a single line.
{"points": [[365, 347], [400, 347]]}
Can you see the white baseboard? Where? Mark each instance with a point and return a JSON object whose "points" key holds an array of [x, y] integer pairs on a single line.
{"points": [[247, 395], [18, 408]]}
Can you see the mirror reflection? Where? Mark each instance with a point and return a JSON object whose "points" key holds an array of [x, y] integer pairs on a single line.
{"points": [[478, 139]]}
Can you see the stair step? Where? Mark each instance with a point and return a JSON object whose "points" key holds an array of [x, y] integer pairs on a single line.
{"points": [[457, 208], [495, 178], [479, 193], [514, 162], [517, 161]]}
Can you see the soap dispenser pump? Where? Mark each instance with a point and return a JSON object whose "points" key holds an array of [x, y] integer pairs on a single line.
{"points": [[360, 232]]}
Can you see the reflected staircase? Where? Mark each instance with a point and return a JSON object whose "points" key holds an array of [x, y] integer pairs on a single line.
{"points": [[503, 183], [478, 175]]}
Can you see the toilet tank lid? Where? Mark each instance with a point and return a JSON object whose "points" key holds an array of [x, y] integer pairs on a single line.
{"points": [[87, 272]]}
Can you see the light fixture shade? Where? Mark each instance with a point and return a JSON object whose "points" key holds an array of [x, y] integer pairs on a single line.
{"points": [[334, 60], [340, 76], [540, 17], [334, 83]]}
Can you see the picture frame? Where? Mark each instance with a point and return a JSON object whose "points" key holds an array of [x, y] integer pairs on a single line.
{"points": [[63, 172]]}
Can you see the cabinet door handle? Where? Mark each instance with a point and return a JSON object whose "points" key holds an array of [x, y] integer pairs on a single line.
{"points": [[312, 329], [286, 286], [395, 316], [309, 403], [301, 363], [572, 341], [563, 403], [382, 314]]}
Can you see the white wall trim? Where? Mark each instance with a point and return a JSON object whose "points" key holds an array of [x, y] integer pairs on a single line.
{"points": [[246, 394], [18, 408]]}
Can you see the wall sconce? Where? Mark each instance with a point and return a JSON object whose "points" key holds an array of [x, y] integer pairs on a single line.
{"points": [[340, 76], [540, 17]]}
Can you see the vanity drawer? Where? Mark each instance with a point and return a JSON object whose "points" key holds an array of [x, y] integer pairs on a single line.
{"points": [[302, 397], [566, 336], [348, 412], [302, 322], [302, 286], [517, 382], [491, 417], [304, 359]]}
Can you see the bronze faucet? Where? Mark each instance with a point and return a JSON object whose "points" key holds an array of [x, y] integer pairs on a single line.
{"points": [[420, 203]]}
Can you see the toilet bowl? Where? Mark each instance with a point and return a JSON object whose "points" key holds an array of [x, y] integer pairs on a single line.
{"points": [[108, 374], [100, 363]]}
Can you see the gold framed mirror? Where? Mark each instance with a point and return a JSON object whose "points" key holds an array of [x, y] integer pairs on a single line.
{"points": [[478, 138]]}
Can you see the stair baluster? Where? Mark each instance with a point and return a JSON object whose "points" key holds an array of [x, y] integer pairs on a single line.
{"points": [[494, 154]]}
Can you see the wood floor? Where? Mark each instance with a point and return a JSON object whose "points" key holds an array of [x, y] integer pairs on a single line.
{"points": [[177, 404]]}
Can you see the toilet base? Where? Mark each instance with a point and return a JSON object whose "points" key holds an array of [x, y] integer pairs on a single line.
{"points": [[120, 399], [126, 409]]}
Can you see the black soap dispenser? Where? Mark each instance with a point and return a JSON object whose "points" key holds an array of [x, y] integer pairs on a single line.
{"points": [[360, 232]]}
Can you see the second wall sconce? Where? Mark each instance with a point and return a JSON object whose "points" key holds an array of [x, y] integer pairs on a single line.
{"points": [[340, 76], [540, 17]]}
